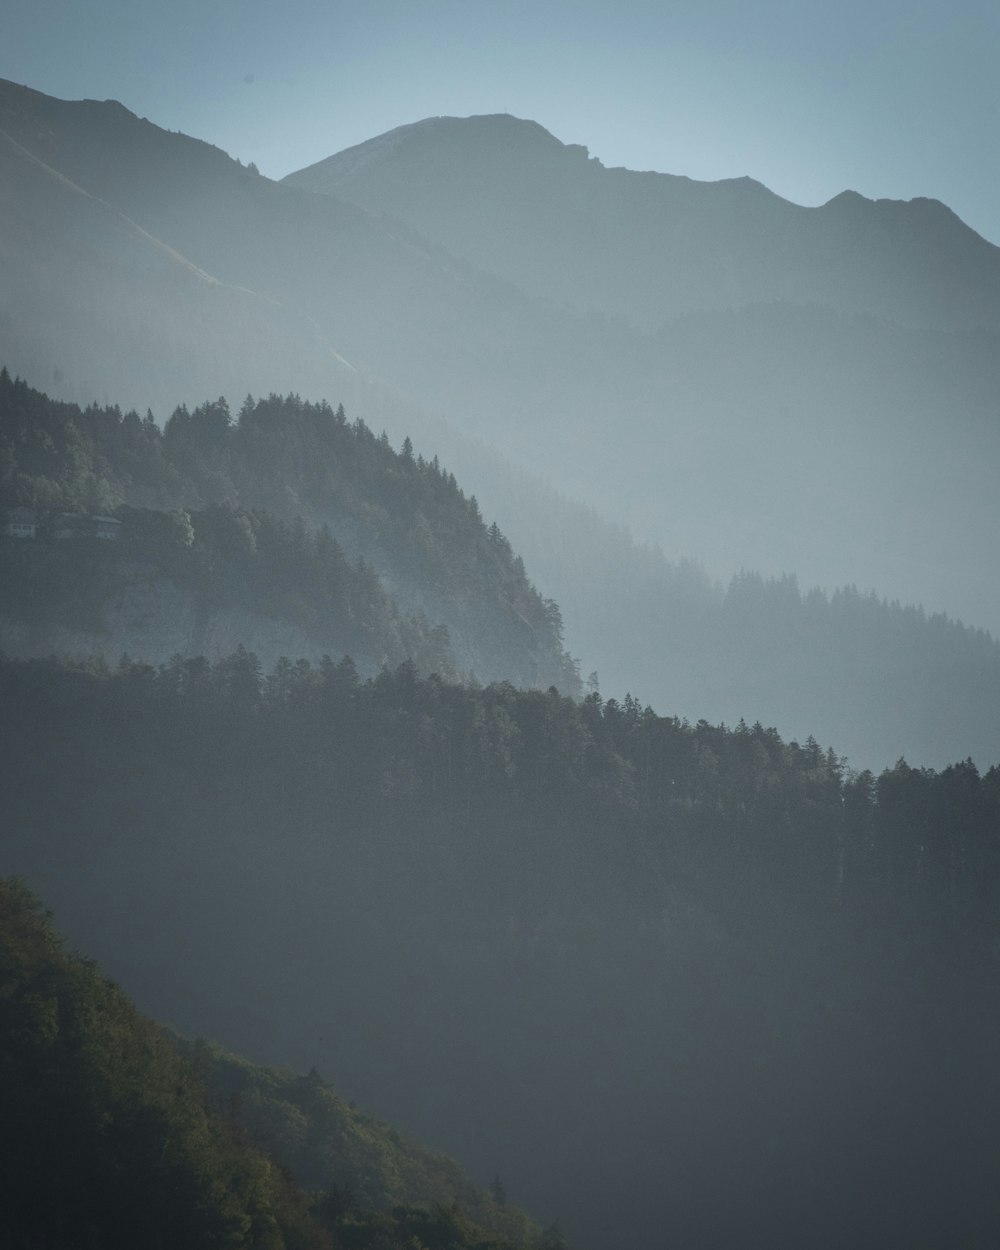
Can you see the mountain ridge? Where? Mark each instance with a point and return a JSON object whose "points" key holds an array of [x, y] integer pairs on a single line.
{"points": [[432, 154]]}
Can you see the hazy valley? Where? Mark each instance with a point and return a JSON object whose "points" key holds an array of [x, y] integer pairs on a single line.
{"points": [[515, 636]]}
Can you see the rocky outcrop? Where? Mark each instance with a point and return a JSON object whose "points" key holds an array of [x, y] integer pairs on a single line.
{"points": [[154, 619]]}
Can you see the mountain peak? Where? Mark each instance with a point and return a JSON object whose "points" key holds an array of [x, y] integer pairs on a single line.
{"points": [[921, 213], [484, 125], [489, 136]]}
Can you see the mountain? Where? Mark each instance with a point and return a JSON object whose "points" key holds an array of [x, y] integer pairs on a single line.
{"points": [[649, 247], [95, 306], [817, 441], [379, 298], [679, 982], [675, 984], [824, 420], [811, 389]]}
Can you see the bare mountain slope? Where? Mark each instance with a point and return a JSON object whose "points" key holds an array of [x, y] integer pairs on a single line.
{"points": [[388, 301], [96, 306], [506, 195], [807, 390]]}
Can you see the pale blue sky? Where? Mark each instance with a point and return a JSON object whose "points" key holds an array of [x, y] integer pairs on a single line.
{"points": [[886, 98]]}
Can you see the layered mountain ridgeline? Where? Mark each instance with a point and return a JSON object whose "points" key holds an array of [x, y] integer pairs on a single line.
{"points": [[97, 306], [506, 195], [233, 562], [787, 403], [343, 289], [781, 437], [115, 1137], [829, 440], [674, 983], [879, 678]]}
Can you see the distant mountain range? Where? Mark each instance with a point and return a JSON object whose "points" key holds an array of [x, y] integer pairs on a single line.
{"points": [[786, 388], [744, 383], [507, 196]]}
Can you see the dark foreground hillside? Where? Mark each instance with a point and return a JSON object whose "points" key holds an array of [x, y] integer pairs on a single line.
{"points": [[676, 984], [114, 1136]]}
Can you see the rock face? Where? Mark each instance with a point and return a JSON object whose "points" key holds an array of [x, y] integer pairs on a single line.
{"points": [[154, 619]]}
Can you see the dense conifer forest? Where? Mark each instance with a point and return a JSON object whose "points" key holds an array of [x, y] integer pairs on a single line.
{"points": [[917, 839], [632, 943]]}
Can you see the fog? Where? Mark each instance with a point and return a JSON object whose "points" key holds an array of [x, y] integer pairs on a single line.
{"points": [[675, 983], [739, 382]]}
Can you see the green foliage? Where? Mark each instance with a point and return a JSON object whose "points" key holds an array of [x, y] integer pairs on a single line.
{"points": [[328, 1145], [114, 1137], [106, 1138]]}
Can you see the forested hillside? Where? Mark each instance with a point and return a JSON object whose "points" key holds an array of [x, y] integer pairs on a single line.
{"points": [[214, 506], [633, 966], [357, 1163], [118, 1135]]}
